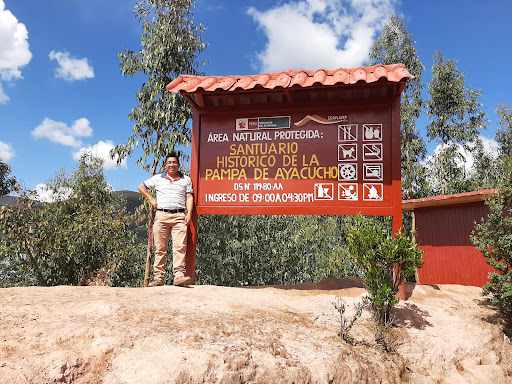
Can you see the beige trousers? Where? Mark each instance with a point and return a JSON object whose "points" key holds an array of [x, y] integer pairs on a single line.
{"points": [[165, 224]]}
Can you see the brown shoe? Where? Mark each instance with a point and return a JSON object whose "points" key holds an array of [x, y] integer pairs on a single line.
{"points": [[182, 280], [156, 283]]}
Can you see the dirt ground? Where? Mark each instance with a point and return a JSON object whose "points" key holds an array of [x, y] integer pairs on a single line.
{"points": [[278, 334]]}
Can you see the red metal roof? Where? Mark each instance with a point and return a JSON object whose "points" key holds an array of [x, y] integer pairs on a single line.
{"points": [[289, 79], [458, 198]]}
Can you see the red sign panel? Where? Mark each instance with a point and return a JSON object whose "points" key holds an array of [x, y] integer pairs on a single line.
{"points": [[329, 159]]}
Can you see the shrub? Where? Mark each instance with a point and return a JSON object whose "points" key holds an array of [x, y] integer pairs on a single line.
{"points": [[493, 237], [386, 262], [346, 323], [81, 237], [262, 250]]}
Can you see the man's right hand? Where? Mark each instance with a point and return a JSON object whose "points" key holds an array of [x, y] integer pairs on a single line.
{"points": [[144, 191]]}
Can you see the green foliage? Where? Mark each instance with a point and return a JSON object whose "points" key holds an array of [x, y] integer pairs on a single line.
{"points": [[79, 238], [7, 184], [267, 250], [504, 135], [448, 173], [395, 45], [170, 44], [493, 237], [485, 172], [386, 262], [456, 119]]}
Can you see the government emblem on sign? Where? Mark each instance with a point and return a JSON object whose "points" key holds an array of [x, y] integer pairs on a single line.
{"points": [[372, 152], [347, 191], [242, 124], [372, 192], [347, 152], [347, 171], [324, 191], [347, 132]]}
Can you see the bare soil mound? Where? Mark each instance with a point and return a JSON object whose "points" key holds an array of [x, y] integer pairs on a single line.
{"points": [[274, 334]]}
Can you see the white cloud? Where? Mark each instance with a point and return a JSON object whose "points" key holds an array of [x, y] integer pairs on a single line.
{"points": [[101, 150], [44, 194], [71, 68], [14, 48], [313, 34], [3, 96], [59, 132], [490, 147], [6, 152]]}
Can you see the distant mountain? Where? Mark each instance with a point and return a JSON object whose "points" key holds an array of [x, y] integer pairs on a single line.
{"points": [[133, 199], [7, 200]]}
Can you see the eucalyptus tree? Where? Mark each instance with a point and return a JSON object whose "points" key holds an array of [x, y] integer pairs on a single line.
{"points": [[493, 235], [504, 135], [456, 118], [488, 164], [7, 184], [484, 172], [396, 45], [171, 43]]}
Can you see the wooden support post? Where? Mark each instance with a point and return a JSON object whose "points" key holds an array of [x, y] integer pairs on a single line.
{"points": [[190, 258], [397, 226], [416, 272], [397, 179]]}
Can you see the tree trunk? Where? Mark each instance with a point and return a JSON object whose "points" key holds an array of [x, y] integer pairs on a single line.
{"points": [[443, 176], [149, 253], [40, 278]]}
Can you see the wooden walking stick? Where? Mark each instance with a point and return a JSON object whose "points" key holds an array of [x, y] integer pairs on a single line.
{"points": [[149, 255]]}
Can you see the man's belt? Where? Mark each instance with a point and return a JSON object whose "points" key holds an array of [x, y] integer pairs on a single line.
{"points": [[171, 210]]}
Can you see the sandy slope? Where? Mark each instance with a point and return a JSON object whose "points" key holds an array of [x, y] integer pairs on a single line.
{"points": [[208, 334]]}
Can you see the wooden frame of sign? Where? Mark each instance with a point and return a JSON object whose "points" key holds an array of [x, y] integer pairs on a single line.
{"points": [[320, 150]]}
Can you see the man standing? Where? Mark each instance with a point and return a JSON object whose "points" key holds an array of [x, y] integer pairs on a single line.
{"points": [[174, 197]]}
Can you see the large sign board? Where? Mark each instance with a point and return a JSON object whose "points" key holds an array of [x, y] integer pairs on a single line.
{"points": [[338, 160]]}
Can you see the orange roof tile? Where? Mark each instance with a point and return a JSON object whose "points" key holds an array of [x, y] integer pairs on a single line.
{"points": [[289, 79]]}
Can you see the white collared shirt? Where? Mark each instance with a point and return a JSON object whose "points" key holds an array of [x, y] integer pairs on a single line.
{"points": [[170, 194]]}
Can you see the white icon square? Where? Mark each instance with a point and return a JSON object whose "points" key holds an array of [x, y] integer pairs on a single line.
{"points": [[373, 192], [372, 152], [324, 191], [347, 171], [347, 152], [372, 132], [372, 172], [347, 191], [347, 132]]}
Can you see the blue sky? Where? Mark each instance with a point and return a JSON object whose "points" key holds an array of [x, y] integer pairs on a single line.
{"points": [[61, 91]]}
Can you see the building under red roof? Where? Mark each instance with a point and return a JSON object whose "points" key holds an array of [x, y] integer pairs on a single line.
{"points": [[443, 227]]}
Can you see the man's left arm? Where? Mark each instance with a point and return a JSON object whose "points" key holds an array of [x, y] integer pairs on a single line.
{"points": [[190, 208]]}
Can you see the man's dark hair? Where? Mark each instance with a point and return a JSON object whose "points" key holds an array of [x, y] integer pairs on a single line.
{"points": [[172, 154]]}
